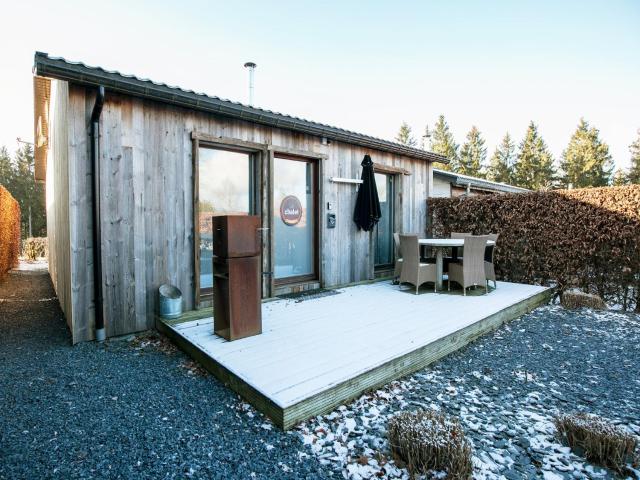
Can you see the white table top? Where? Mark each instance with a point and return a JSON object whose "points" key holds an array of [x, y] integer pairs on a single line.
{"points": [[446, 242]]}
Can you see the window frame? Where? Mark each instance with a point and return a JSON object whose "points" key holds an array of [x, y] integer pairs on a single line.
{"points": [[315, 275], [255, 152]]}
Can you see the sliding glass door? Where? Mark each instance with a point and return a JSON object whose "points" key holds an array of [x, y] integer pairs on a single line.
{"points": [[295, 222]]}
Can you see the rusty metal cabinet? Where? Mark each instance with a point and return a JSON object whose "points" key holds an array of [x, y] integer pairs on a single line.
{"points": [[237, 306]]}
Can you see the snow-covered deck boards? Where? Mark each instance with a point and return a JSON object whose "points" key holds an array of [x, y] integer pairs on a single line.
{"points": [[317, 353]]}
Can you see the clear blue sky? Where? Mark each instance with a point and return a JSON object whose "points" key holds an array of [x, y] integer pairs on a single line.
{"points": [[365, 66]]}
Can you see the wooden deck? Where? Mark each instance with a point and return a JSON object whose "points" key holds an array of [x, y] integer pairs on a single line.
{"points": [[318, 353]]}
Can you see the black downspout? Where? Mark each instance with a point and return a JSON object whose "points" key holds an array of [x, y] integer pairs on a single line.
{"points": [[95, 198]]}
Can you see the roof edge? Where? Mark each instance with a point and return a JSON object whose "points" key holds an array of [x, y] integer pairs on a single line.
{"points": [[462, 181], [79, 73]]}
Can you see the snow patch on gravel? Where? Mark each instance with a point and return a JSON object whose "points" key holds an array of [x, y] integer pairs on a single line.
{"points": [[505, 389]]}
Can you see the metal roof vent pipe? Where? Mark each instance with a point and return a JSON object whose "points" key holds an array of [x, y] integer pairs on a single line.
{"points": [[252, 68], [95, 198]]}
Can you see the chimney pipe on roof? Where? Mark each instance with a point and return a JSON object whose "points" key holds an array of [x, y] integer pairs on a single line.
{"points": [[252, 67]]}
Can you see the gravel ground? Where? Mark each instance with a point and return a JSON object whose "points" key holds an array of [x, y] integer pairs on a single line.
{"points": [[138, 408], [124, 409], [505, 389]]}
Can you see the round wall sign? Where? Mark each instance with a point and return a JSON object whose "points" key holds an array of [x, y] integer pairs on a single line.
{"points": [[291, 210]]}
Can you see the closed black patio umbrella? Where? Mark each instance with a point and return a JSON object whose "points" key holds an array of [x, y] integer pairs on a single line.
{"points": [[367, 212]]}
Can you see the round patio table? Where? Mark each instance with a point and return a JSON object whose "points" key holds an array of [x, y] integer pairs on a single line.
{"points": [[439, 244]]}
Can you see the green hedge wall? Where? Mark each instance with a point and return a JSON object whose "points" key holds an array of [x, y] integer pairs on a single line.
{"points": [[587, 238]]}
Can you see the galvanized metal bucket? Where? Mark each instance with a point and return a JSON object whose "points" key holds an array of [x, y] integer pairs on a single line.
{"points": [[170, 301]]}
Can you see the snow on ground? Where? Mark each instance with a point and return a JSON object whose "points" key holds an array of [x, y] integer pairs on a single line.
{"points": [[506, 389]]}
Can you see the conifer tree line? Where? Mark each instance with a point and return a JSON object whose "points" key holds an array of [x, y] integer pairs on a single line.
{"points": [[585, 162], [17, 176]]}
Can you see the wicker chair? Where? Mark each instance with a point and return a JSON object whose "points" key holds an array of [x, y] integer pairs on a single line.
{"points": [[398, 264], [489, 269], [471, 271], [413, 271], [457, 251]]}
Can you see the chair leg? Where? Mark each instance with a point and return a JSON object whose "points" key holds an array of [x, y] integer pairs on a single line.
{"points": [[486, 288], [464, 291], [448, 285], [434, 288], [416, 289]]}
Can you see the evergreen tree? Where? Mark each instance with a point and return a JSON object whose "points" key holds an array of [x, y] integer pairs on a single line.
{"points": [[473, 154], [586, 162], [501, 164], [534, 164], [634, 170], [620, 178], [405, 136], [442, 142], [17, 176], [6, 168]]}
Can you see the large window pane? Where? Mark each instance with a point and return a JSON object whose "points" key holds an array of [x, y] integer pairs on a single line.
{"points": [[294, 218], [224, 181], [384, 228]]}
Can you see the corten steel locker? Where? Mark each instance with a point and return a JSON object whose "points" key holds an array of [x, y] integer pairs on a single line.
{"points": [[237, 306], [236, 236]]}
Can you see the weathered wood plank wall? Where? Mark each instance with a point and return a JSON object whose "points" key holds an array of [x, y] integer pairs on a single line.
{"points": [[147, 207], [57, 198]]}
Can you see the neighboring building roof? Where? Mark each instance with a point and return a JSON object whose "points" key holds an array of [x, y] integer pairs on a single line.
{"points": [[478, 183], [75, 72]]}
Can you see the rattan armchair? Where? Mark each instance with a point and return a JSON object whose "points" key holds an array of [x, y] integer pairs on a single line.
{"points": [[489, 269], [413, 271], [398, 264], [471, 272], [456, 251]]}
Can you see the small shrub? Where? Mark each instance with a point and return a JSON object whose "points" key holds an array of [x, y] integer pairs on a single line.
{"points": [[426, 440], [597, 439], [35, 247], [578, 299]]}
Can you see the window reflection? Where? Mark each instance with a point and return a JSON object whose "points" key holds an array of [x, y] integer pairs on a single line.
{"points": [[224, 182], [294, 232]]}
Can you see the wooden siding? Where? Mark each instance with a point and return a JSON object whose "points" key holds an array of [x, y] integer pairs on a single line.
{"points": [[441, 187], [57, 198], [146, 157]]}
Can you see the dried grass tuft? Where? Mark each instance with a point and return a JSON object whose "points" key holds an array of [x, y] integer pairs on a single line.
{"points": [[427, 440], [577, 299], [597, 439], [34, 248]]}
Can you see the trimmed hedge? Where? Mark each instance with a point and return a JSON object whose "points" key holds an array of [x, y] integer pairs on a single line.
{"points": [[586, 238], [9, 231]]}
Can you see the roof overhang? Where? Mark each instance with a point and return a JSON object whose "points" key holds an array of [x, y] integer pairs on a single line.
{"points": [[79, 73], [41, 98], [459, 180]]}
